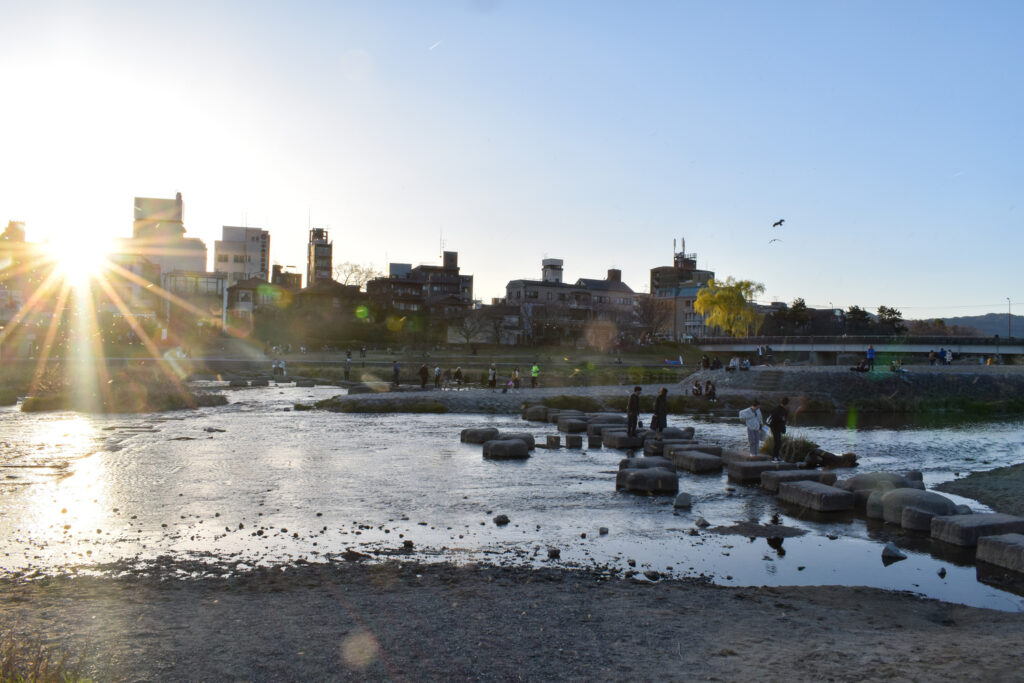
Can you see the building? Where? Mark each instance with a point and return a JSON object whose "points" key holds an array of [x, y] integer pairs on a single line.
{"points": [[551, 309], [679, 285], [437, 291], [158, 234], [242, 253], [285, 280], [319, 257]]}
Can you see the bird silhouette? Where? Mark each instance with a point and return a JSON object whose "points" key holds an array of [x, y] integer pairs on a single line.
{"points": [[778, 223], [774, 240]]}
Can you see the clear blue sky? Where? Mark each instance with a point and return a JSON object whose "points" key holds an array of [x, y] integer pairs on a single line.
{"points": [[887, 134]]}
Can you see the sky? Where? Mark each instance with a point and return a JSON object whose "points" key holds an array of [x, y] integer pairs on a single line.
{"points": [[887, 134]]}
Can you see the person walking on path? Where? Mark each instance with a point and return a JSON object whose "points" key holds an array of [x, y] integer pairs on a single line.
{"points": [[348, 366], [752, 419], [777, 423], [633, 411], [492, 377], [394, 373], [437, 376], [660, 419], [458, 377], [871, 357], [424, 373], [534, 374], [516, 378]]}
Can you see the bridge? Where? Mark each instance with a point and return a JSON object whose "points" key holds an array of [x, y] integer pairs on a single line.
{"points": [[825, 350]]}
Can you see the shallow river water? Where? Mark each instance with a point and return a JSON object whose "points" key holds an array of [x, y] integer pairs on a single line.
{"points": [[255, 483]]}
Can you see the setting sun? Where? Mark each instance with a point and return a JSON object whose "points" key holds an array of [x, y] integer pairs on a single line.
{"points": [[79, 258]]}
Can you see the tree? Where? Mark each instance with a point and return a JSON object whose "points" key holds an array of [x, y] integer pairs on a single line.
{"points": [[471, 326], [729, 305], [653, 315], [891, 320], [858, 321], [349, 273]]}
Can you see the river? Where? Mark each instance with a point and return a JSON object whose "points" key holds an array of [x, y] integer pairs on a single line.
{"points": [[254, 483]]}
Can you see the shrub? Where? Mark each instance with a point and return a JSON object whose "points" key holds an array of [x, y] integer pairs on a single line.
{"points": [[794, 449], [582, 403]]}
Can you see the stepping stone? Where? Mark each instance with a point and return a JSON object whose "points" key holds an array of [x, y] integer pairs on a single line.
{"points": [[771, 479], [507, 449], [875, 480], [594, 442], [607, 418], [696, 462], [653, 480], [554, 442], [965, 530], [573, 441], [260, 383], [571, 425], [816, 496], [237, 383], [1005, 550], [620, 440], [751, 470], [304, 383], [478, 435], [658, 446], [677, 433], [531, 443], [647, 462], [893, 503], [596, 428], [536, 413], [741, 456]]}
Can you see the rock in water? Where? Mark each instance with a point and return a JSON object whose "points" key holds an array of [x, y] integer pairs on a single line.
{"points": [[890, 554], [683, 500], [554, 553], [501, 520]]}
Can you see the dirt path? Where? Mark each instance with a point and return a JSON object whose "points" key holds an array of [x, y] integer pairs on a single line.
{"points": [[416, 622]]}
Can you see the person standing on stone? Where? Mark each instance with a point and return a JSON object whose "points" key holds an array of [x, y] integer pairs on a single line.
{"points": [[424, 373], [633, 411], [777, 423], [755, 424], [394, 372], [660, 419], [534, 374]]}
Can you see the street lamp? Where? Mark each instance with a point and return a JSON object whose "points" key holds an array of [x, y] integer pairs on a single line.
{"points": [[1009, 320]]}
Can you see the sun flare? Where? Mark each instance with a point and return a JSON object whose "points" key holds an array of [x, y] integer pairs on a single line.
{"points": [[79, 259]]}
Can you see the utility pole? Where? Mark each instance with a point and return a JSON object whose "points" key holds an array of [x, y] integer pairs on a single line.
{"points": [[1009, 320]]}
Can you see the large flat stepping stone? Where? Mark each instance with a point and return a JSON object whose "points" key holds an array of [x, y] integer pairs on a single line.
{"points": [[816, 496], [597, 428], [657, 446], [677, 433], [620, 440], [647, 462], [531, 442], [572, 425], [607, 418], [1004, 550], [751, 470], [506, 449], [965, 530], [729, 455], [536, 413], [877, 480], [478, 434], [697, 462], [771, 479], [894, 502], [653, 480]]}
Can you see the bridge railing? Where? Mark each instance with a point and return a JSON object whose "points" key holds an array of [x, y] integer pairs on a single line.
{"points": [[863, 340]]}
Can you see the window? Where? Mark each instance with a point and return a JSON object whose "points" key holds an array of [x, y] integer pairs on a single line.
{"points": [[222, 258]]}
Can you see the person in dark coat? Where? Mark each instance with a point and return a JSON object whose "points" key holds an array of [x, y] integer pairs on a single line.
{"points": [[660, 419], [777, 423], [424, 373], [633, 411]]}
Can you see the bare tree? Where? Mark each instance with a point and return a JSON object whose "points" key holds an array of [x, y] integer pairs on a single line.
{"points": [[471, 326], [349, 273], [652, 314]]}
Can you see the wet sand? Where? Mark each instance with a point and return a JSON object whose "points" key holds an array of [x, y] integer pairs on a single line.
{"points": [[1000, 488], [350, 621]]}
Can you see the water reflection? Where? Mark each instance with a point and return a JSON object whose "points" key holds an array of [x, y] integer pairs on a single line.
{"points": [[278, 487]]}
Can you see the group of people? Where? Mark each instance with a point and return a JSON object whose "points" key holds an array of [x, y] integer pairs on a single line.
{"points": [[776, 422], [658, 421], [943, 357], [449, 378], [708, 391]]}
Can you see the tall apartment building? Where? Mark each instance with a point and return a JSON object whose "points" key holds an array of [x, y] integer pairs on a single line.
{"points": [[679, 284], [435, 290], [158, 234], [319, 257], [242, 253]]}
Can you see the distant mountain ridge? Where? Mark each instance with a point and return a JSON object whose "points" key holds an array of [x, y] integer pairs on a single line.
{"points": [[990, 324]]}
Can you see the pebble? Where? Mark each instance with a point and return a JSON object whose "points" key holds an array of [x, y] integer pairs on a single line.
{"points": [[501, 520], [603, 531], [554, 553]]}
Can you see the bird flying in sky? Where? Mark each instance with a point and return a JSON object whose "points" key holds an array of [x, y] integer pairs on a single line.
{"points": [[778, 223], [774, 240]]}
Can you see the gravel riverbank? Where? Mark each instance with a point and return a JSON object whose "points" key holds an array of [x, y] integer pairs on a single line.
{"points": [[350, 621]]}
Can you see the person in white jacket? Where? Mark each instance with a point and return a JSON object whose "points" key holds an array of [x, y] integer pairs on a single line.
{"points": [[752, 419]]}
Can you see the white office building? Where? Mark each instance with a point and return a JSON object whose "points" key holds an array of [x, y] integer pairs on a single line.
{"points": [[242, 253]]}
